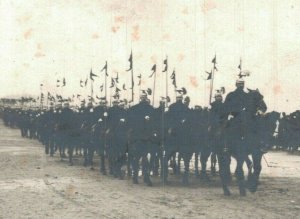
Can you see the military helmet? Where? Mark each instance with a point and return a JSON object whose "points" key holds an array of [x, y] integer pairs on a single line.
{"points": [[218, 95], [66, 104], [187, 99], [239, 82], [143, 96], [179, 97], [90, 104], [115, 102]]}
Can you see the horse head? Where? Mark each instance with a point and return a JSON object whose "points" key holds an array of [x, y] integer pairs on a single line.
{"points": [[256, 101]]}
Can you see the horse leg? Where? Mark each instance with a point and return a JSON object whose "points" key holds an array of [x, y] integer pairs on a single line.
{"points": [[102, 163], [177, 167], [70, 153], [135, 169], [60, 148], [129, 160], [156, 164], [85, 153], [152, 162], [249, 164], [213, 161], [240, 173], [145, 165], [196, 164], [47, 147], [164, 167], [203, 159], [186, 160], [224, 165], [91, 152], [254, 177], [173, 163]]}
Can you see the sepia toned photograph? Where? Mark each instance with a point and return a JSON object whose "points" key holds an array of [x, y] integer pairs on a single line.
{"points": [[149, 109]]}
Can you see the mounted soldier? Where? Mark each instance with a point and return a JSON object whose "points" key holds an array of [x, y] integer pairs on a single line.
{"points": [[140, 119], [98, 140], [240, 136], [176, 141], [116, 134]]}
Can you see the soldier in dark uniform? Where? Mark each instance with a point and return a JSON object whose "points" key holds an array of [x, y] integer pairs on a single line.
{"points": [[176, 121], [140, 117], [158, 118], [217, 119], [234, 109], [68, 126], [98, 139], [116, 134], [49, 129], [61, 129], [240, 134], [87, 121]]}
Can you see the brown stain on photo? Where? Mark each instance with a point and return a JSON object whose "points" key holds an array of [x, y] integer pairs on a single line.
{"points": [[153, 59], [70, 190], [208, 6], [25, 65], [39, 54], [185, 11], [277, 89], [291, 58], [135, 33], [95, 36], [194, 81], [166, 36], [181, 57], [27, 34], [115, 29], [24, 18], [119, 19]]}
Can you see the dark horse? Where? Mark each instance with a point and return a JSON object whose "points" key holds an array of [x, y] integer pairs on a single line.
{"points": [[241, 137]]}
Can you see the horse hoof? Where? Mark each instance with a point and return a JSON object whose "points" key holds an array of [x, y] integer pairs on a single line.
{"points": [[166, 182], [243, 193], [92, 168], [252, 188], [135, 181], [185, 182], [227, 193], [204, 177], [70, 164], [149, 183]]}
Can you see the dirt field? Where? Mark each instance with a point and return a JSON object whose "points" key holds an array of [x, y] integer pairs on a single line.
{"points": [[33, 185]]}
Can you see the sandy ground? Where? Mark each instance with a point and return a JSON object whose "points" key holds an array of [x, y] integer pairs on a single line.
{"points": [[33, 185]]}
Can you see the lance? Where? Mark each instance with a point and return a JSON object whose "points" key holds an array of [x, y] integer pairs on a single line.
{"points": [[154, 88], [110, 88], [140, 84], [132, 83], [41, 100], [167, 87], [47, 100], [106, 82], [92, 90], [212, 80], [166, 72]]}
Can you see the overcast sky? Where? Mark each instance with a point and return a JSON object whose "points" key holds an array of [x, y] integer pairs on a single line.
{"points": [[42, 41]]}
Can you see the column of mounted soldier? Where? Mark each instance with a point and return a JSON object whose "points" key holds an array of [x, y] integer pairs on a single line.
{"points": [[142, 137]]}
